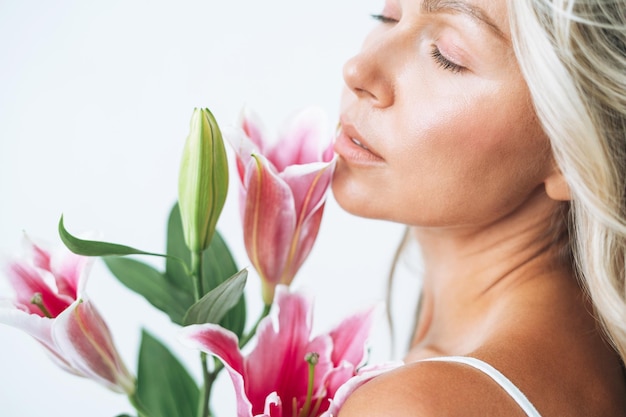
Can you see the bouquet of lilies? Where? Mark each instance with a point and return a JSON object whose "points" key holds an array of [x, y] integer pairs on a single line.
{"points": [[286, 371]]}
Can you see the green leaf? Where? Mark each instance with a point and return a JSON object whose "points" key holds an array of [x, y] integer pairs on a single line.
{"points": [[218, 263], [164, 386], [96, 248], [176, 247], [152, 285], [235, 319], [217, 266], [215, 304]]}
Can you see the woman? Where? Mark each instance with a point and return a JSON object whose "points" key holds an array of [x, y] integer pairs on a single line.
{"points": [[497, 132]]}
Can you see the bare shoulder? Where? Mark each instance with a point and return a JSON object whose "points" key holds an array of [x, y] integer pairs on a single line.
{"points": [[426, 389]]}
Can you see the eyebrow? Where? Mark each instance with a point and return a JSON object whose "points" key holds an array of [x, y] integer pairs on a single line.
{"points": [[464, 7]]}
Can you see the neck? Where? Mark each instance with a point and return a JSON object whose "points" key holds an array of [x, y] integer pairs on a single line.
{"points": [[472, 273]]}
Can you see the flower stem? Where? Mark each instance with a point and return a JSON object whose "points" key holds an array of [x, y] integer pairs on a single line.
{"points": [[246, 338], [205, 395], [208, 377], [196, 271]]}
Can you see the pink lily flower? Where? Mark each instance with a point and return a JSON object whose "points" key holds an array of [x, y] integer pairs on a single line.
{"points": [[283, 192], [50, 305], [289, 373]]}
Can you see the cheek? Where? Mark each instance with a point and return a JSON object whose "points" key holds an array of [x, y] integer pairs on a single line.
{"points": [[481, 163]]}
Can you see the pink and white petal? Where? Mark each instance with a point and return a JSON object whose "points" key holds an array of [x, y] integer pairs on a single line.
{"points": [[328, 155], [15, 315], [83, 338], [338, 376], [295, 312], [215, 340], [350, 337], [254, 129], [273, 406], [243, 147], [289, 324], [269, 221], [282, 339], [299, 143], [28, 281], [306, 236], [39, 328], [343, 392], [309, 185], [70, 272], [39, 256]]}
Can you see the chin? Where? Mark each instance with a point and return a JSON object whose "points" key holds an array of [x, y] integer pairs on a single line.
{"points": [[354, 199], [373, 203]]}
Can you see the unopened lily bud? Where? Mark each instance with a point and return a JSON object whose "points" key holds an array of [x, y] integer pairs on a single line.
{"points": [[203, 180]]}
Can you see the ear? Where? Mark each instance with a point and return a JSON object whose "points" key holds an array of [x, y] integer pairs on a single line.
{"points": [[556, 186]]}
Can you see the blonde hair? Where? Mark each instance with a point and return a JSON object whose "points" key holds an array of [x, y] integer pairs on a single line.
{"points": [[572, 54]]}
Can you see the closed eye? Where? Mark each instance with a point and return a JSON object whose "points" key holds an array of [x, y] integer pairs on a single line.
{"points": [[384, 19], [444, 62]]}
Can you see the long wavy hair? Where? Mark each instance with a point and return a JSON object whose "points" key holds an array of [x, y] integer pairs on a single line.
{"points": [[572, 54]]}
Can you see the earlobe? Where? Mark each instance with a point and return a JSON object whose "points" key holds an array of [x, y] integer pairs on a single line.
{"points": [[556, 186]]}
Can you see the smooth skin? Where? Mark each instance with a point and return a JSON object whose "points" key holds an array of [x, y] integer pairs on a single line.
{"points": [[438, 133]]}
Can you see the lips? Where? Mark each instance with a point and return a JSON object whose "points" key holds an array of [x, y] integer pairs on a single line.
{"points": [[357, 143], [353, 148]]}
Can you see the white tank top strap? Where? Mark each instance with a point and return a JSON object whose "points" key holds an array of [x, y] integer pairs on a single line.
{"points": [[497, 376]]}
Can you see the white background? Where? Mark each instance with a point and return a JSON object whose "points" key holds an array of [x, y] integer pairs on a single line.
{"points": [[95, 101]]}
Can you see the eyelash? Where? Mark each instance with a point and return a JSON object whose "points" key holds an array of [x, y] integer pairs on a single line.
{"points": [[441, 60], [383, 19], [444, 62]]}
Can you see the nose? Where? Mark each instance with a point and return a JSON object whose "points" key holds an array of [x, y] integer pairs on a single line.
{"points": [[369, 75]]}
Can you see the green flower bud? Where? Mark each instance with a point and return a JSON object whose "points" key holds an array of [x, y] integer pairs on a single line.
{"points": [[203, 180]]}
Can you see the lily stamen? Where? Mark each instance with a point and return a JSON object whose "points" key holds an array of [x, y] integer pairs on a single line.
{"points": [[312, 359], [317, 405], [37, 300]]}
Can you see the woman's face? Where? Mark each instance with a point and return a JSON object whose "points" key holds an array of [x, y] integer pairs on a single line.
{"points": [[437, 124]]}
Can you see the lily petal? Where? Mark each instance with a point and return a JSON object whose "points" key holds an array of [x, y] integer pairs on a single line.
{"points": [[84, 339], [254, 129], [67, 268], [338, 376], [268, 227], [216, 340], [39, 328], [28, 281], [273, 406], [365, 374], [70, 272], [350, 336], [309, 184], [40, 256], [300, 142], [282, 339]]}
